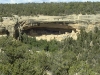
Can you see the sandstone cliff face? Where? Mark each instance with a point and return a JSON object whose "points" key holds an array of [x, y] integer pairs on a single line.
{"points": [[75, 21], [8, 23]]}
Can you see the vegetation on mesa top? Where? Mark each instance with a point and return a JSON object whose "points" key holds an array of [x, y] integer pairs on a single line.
{"points": [[45, 8]]}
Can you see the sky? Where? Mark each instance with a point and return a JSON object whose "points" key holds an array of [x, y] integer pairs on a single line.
{"points": [[40, 1]]}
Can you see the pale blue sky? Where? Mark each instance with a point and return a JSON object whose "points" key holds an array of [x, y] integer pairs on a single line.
{"points": [[39, 1]]}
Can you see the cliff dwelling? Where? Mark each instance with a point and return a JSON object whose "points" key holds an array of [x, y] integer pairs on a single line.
{"points": [[48, 28], [45, 30]]}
